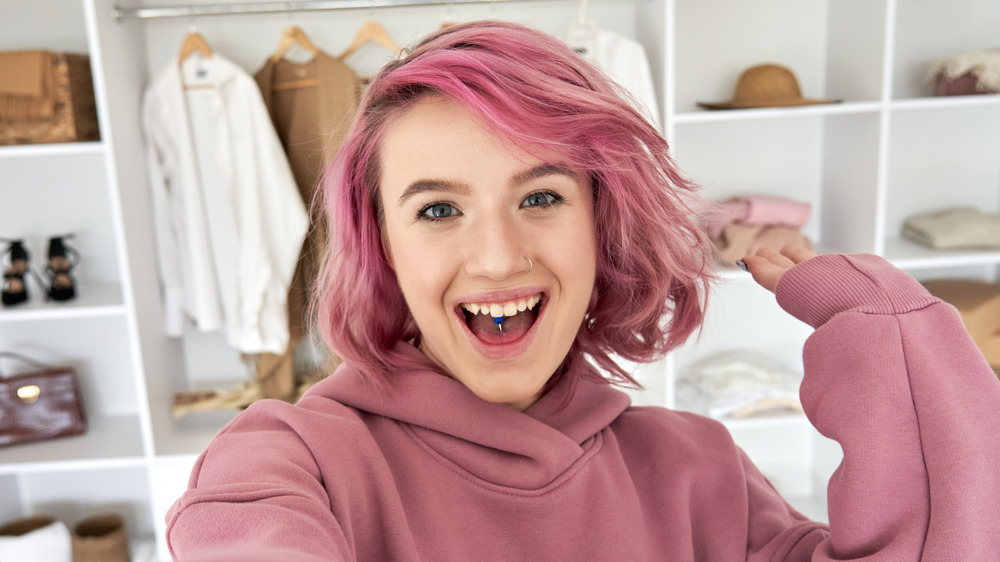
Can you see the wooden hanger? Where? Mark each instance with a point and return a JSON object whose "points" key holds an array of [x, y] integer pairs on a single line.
{"points": [[194, 43], [292, 36], [371, 31], [582, 31]]}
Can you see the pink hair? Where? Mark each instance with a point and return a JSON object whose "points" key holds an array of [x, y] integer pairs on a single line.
{"points": [[533, 90]]}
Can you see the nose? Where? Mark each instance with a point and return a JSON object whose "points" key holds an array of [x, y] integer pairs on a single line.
{"points": [[496, 250]]}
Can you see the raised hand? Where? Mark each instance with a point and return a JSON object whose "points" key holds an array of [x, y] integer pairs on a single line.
{"points": [[767, 266]]}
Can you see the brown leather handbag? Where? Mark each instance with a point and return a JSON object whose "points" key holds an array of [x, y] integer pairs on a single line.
{"points": [[39, 405]]}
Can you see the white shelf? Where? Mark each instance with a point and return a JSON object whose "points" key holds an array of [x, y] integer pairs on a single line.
{"points": [[93, 300], [946, 102], [900, 252], [908, 255], [846, 108], [109, 442], [725, 115], [54, 149]]}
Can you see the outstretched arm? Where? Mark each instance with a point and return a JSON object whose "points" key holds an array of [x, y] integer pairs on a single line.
{"points": [[257, 494], [892, 375]]}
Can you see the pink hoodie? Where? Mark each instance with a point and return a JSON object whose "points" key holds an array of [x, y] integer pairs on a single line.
{"points": [[431, 472]]}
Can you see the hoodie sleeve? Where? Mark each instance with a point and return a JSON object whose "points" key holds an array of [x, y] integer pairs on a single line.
{"points": [[256, 494], [893, 377]]}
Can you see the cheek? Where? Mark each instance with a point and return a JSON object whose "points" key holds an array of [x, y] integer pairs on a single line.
{"points": [[419, 271], [578, 252]]}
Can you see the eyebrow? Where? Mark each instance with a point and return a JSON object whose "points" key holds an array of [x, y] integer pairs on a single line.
{"points": [[448, 186], [423, 186]]}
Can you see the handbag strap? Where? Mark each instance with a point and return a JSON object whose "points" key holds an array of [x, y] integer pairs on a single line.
{"points": [[25, 360]]}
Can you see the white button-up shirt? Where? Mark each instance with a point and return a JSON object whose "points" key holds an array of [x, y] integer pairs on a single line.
{"points": [[228, 217]]}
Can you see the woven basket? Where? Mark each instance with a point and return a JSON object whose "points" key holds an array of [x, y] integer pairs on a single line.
{"points": [[75, 114], [101, 538]]}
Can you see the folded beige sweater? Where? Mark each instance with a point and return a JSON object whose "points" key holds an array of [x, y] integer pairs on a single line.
{"points": [[955, 228]]}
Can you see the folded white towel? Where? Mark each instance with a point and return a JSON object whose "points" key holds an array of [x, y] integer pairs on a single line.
{"points": [[51, 543], [740, 383]]}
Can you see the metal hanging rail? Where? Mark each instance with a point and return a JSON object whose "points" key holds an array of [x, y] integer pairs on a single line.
{"points": [[120, 13]]}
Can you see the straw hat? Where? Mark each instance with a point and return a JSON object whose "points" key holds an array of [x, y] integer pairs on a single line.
{"points": [[766, 85]]}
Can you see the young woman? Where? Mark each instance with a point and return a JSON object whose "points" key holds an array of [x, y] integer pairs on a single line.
{"points": [[503, 225]]}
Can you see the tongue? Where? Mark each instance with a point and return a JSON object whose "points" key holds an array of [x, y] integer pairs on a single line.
{"points": [[485, 328]]}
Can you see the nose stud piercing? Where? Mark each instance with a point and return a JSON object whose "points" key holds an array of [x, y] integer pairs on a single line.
{"points": [[498, 320]]}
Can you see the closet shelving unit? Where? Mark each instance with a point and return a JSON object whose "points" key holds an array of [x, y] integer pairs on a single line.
{"points": [[887, 152], [54, 189]]}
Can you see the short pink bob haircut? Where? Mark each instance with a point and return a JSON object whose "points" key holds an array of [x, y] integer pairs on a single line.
{"points": [[532, 90]]}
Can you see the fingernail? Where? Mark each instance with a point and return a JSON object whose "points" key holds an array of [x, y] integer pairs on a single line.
{"points": [[742, 265]]}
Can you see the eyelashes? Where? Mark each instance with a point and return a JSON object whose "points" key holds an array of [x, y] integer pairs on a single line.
{"points": [[440, 211], [437, 212], [542, 199]]}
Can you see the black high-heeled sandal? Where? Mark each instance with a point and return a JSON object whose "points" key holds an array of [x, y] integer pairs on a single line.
{"points": [[62, 287], [15, 290]]}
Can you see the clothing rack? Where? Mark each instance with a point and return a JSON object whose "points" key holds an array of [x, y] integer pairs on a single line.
{"points": [[120, 13]]}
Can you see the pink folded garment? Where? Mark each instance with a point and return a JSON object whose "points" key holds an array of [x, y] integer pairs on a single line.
{"points": [[738, 240], [756, 210]]}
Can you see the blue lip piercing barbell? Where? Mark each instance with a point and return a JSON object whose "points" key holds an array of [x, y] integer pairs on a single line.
{"points": [[499, 319]]}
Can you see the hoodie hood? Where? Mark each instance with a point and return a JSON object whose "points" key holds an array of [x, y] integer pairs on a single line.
{"points": [[493, 442]]}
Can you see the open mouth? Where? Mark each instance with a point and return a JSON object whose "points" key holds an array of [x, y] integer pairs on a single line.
{"points": [[515, 318]]}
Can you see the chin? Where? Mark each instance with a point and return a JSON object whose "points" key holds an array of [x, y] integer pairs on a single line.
{"points": [[518, 396]]}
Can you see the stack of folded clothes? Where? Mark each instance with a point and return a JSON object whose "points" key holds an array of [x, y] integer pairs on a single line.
{"points": [[740, 226], [964, 227], [966, 74], [979, 304], [740, 384]]}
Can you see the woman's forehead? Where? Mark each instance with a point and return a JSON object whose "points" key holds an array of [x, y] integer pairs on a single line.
{"points": [[435, 124]]}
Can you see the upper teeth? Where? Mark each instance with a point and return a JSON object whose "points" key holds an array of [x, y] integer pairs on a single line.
{"points": [[498, 310]]}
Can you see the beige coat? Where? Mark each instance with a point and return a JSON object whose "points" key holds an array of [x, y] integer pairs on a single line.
{"points": [[311, 105]]}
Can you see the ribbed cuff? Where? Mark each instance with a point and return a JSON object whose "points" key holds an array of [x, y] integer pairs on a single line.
{"points": [[826, 285]]}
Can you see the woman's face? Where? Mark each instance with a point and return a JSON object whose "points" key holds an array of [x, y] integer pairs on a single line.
{"points": [[463, 213]]}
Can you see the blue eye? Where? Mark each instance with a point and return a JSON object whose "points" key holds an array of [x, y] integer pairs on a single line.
{"points": [[541, 199], [437, 211]]}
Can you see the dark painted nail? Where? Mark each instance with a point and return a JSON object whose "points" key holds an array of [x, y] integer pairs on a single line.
{"points": [[742, 265]]}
